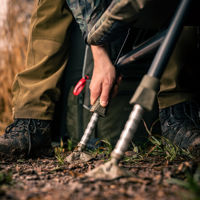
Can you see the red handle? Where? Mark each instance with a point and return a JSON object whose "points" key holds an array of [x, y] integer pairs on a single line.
{"points": [[80, 85]]}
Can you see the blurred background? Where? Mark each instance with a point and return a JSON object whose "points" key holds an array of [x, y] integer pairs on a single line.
{"points": [[14, 25]]}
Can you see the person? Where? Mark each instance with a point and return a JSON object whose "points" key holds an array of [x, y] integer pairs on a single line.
{"points": [[36, 90], [178, 98]]}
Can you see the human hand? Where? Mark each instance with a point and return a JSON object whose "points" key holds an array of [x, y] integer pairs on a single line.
{"points": [[103, 77]]}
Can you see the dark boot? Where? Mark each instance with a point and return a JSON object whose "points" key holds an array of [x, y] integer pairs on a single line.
{"points": [[180, 123], [24, 137]]}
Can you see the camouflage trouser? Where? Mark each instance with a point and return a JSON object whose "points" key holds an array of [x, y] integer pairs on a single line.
{"points": [[36, 89]]}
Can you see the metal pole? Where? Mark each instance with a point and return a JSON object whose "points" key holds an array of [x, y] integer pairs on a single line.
{"points": [[143, 49], [165, 50]]}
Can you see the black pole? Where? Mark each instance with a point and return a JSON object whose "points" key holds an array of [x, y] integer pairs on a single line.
{"points": [[165, 50], [143, 49]]}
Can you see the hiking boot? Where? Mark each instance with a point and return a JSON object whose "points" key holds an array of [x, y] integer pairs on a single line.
{"points": [[180, 123], [24, 137]]}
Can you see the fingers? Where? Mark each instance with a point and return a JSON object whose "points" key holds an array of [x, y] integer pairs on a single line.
{"points": [[100, 90], [95, 92], [100, 86], [104, 97]]}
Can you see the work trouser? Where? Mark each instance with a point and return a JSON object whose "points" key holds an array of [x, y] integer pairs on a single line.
{"points": [[36, 90]]}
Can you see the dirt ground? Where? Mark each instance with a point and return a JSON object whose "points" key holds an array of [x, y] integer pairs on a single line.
{"points": [[153, 177]]}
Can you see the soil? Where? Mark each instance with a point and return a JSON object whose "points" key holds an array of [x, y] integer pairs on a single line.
{"points": [[47, 178]]}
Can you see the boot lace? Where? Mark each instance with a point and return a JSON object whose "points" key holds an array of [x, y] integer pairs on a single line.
{"points": [[21, 126]]}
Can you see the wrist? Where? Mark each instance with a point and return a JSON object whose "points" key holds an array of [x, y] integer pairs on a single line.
{"points": [[99, 52], [101, 58]]}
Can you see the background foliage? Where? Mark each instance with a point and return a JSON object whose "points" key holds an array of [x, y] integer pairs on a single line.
{"points": [[13, 37]]}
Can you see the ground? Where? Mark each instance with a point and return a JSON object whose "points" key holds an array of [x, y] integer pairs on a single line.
{"points": [[154, 176]]}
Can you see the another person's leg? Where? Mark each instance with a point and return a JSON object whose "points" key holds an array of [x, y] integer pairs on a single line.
{"points": [[36, 89], [180, 91]]}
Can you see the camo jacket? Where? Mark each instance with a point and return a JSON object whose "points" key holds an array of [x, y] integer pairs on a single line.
{"points": [[102, 21], [87, 12]]}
